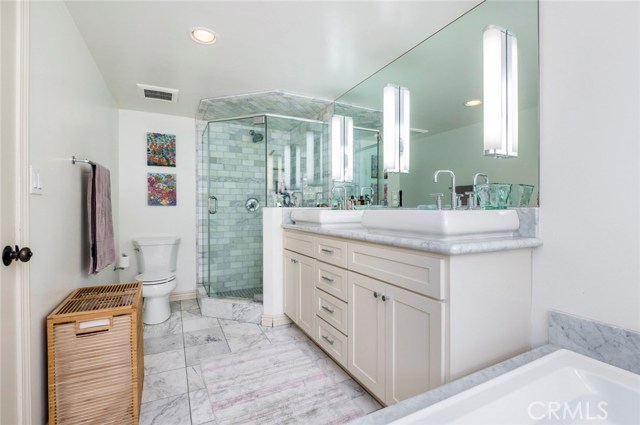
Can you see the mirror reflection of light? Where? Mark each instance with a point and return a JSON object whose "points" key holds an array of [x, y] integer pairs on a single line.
{"points": [[342, 148], [473, 102], [396, 128], [500, 87]]}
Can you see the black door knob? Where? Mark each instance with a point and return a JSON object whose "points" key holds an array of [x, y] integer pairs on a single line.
{"points": [[9, 254], [25, 254]]}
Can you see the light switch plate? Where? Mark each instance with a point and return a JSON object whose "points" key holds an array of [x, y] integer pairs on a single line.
{"points": [[35, 187]]}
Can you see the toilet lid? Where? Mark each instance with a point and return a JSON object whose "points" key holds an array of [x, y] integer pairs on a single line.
{"points": [[155, 278]]}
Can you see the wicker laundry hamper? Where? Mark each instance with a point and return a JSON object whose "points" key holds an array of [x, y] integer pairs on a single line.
{"points": [[95, 356]]}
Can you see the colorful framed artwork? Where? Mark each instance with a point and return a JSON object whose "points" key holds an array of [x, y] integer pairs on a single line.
{"points": [[161, 189], [161, 149]]}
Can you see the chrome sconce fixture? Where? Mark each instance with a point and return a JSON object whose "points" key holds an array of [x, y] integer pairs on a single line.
{"points": [[500, 87], [341, 148], [396, 128]]}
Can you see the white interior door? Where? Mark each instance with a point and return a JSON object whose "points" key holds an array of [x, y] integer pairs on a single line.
{"points": [[14, 317]]}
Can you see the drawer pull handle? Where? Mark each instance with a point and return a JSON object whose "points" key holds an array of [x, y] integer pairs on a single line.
{"points": [[327, 250], [375, 295], [329, 340], [328, 279], [385, 298], [328, 309], [294, 261]]}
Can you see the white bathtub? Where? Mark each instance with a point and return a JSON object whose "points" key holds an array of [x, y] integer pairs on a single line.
{"points": [[560, 388]]}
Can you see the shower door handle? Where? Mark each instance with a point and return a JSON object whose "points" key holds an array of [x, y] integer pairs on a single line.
{"points": [[215, 205]]}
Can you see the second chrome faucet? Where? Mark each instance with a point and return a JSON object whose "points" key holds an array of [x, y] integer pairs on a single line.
{"points": [[454, 199]]}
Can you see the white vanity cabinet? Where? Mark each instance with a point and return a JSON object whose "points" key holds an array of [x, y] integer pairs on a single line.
{"points": [[396, 336], [299, 289], [402, 321]]}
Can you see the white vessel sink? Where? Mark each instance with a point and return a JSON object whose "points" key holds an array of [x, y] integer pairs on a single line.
{"points": [[442, 224], [326, 217]]}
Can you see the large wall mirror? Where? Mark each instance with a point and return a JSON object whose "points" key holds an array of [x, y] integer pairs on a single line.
{"points": [[442, 73]]}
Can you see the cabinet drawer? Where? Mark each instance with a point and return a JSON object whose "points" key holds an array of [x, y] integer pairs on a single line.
{"points": [[332, 280], [332, 341], [331, 251], [299, 242], [332, 310], [412, 270]]}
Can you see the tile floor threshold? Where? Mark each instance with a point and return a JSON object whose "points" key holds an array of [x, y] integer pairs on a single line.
{"points": [[207, 371]]}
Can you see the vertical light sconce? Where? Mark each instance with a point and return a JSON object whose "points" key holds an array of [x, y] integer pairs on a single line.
{"points": [[298, 168], [500, 98], [341, 148], [396, 128], [310, 171], [287, 168]]}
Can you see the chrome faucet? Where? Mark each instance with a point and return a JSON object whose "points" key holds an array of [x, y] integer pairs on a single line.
{"points": [[454, 199], [475, 178], [342, 205]]}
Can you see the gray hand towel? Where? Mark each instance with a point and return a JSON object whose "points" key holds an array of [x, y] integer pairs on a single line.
{"points": [[101, 240]]}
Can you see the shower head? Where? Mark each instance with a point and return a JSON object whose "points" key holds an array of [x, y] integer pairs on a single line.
{"points": [[257, 137]]}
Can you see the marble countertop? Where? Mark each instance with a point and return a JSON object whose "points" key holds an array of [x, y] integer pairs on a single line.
{"points": [[413, 404], [459, 247]]}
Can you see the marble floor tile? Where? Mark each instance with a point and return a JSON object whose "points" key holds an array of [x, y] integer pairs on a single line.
{"points": [[360, 397], [201, 411], [175, 306], [206, 371], [198, 323], [166, 411], [189, 304], [164, 361], [194, 355], [203, 336], [284, 333], [191, 314], [164, 384], [194, 378], [171, 326], [335, 372], [246, 342], [163, 343]]}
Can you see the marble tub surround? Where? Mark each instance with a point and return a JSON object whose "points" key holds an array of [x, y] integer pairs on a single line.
{"points": [[610, 344], [183, 375], [419, 402]]}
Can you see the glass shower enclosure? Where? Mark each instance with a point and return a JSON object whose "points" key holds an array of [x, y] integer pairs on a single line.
{"points": [[253, 162]]}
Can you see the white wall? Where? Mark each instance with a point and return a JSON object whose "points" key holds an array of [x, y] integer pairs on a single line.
{"points": [[139, 219], [71, 112], [590, 164]]}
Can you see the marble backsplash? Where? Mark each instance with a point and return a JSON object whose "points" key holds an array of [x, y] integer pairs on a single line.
{"points": [[617, 346]]}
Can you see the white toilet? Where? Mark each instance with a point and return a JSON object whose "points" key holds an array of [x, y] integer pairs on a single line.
{"points": [[157, 265]]}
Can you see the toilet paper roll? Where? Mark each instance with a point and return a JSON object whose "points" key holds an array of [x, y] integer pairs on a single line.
{"points": [[124, 261]]}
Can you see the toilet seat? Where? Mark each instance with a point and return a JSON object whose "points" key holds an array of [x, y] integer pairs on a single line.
{"points": [[156, 278]]}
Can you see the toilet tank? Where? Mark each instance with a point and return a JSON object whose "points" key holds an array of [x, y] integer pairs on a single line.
{"points": [[157, 253]]}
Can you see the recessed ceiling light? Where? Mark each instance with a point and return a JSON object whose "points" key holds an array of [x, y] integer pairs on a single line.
{"points": [[203, 36], [473, 102]]}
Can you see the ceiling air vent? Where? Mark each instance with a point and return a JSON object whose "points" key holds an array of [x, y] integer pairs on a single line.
{"points": [[158, 93]]}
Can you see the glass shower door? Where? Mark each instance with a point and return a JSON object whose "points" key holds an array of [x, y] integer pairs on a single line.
{"points": [[236, 190]]}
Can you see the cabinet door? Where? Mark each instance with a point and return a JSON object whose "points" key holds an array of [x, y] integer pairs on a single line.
{"points": [[291, 284], [366, 332], [415, 344], [306, 304]]}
